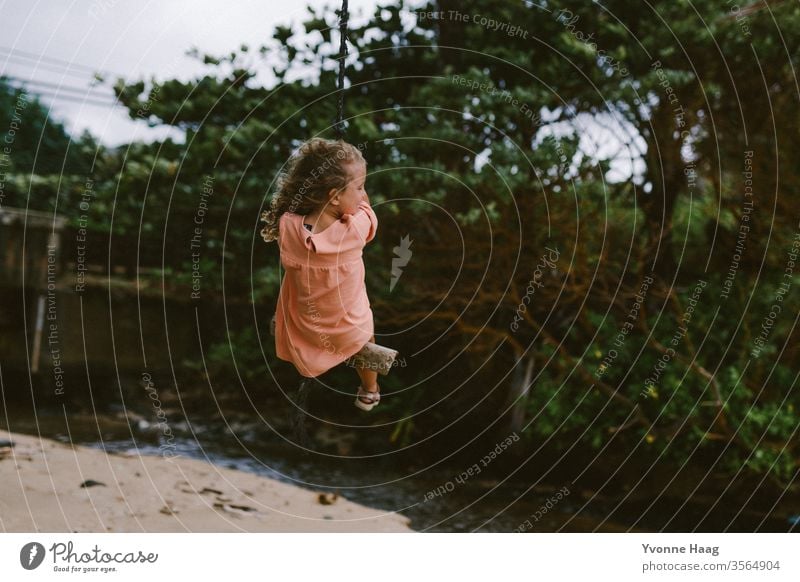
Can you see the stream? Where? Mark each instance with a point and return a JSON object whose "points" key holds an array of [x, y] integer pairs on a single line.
{"points": [[475, 503]]}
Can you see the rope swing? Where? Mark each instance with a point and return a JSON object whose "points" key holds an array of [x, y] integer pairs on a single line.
{"points": [[338, 125], [371, 356]]}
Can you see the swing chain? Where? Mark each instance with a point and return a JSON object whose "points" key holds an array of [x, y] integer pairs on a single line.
{"points": [[339, 125]]}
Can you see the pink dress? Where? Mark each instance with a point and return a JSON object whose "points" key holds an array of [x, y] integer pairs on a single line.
{"points": [[323, 315]]}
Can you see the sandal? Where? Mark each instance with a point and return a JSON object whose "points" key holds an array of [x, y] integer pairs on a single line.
{"points": [[366, 400]]}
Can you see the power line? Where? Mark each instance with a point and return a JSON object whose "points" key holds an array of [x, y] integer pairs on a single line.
{"points": [[45, 67], [57, 96], [66, 64], [59, 87]]}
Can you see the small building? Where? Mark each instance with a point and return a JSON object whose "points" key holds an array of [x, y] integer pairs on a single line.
{"points": [[29, 240]]}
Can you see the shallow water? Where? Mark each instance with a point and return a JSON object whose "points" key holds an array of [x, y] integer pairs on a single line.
{"points": [[375, 486], [476, 503]]}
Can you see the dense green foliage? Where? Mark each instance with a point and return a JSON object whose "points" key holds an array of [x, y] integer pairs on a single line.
{"points": [[483, 147]]}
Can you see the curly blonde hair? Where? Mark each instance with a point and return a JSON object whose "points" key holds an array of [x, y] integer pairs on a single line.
{"points": [[318, 166]]}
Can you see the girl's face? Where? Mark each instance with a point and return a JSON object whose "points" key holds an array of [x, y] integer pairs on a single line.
{"points": [[346, 201]]}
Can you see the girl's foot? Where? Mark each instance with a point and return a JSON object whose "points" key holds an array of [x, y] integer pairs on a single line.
{"points": [[367, 399]]}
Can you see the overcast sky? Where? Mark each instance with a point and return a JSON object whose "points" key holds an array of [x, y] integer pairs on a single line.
{"points": [[141, 40], [131, 39]]}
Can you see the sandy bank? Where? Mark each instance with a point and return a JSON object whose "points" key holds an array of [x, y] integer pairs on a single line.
{"points": [[41, 480]]}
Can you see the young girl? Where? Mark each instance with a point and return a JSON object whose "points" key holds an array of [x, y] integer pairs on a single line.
{"points": [[321, 218]]}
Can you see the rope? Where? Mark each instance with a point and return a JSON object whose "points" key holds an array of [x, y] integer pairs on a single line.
{"points": [[298, 416], [339, 125]]}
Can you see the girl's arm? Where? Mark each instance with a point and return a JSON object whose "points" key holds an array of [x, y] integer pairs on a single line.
{"points": [[365, 220]]}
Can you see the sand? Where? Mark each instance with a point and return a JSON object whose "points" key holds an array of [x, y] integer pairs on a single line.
{"points": [[41, 479]]}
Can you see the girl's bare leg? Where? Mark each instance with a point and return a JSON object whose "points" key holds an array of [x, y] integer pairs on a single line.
{"points": [[369, 378]]}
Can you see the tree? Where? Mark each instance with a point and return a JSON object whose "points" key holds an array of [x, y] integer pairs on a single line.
{"points": [[481, 124]]}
